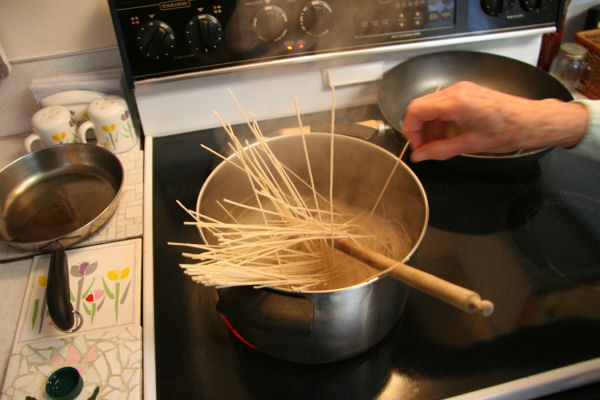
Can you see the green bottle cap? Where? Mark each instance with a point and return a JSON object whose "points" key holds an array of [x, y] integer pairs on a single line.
{"points": [[64, 384]]}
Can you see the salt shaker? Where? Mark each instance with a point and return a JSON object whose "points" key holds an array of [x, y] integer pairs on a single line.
{"points": [[569, 65]]}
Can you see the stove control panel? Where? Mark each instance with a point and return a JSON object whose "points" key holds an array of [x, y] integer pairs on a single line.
{"points": [[172, 37]]}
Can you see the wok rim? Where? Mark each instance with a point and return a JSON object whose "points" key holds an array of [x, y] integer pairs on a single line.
{"points": [[508, 156], [529, 153]]}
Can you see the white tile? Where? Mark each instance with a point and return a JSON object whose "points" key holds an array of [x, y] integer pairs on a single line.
{"points": [[97, 290], [13, 281], [133, 212]]}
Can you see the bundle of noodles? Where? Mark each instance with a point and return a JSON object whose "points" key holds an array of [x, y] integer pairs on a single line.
{"points": [[283, 235], [288, 235]]}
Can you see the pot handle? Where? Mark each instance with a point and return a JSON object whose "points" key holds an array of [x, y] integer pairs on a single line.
{"points": [[58, 291], [266, 310]]}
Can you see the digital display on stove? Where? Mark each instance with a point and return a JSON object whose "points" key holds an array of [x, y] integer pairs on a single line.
{"points": [[401, 18]]}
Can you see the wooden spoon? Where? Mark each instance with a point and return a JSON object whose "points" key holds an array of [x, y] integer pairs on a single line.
{"points": [[455, 295]]}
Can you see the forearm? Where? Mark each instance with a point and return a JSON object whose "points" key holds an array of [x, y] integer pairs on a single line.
{"points": [[556, 123], [468, 118]]}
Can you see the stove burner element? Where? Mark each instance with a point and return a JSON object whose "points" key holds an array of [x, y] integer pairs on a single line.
{"points": [[560, 231], [235, 332]]}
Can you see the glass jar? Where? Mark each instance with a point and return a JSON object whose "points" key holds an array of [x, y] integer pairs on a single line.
{"points": [[569, 65]]}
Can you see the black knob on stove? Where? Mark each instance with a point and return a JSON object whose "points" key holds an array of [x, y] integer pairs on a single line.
{"points": [[204, 33], [496, 7], [316, 18], [270, 24], [155, 39]]}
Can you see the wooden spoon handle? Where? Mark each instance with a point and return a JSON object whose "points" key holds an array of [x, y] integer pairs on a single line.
{"points": [[455, 295]]}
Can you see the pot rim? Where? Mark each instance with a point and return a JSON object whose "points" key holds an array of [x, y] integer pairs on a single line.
{"points": [[338, 136]]}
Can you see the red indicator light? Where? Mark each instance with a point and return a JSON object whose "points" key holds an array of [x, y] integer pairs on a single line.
{"points": [[236, 333], [301, 46]]}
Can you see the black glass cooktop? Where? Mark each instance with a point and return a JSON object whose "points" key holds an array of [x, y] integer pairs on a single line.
{"points": [[527, 238]]}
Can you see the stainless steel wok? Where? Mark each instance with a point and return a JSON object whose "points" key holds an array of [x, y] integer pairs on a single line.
{"points": [[423, 74]]}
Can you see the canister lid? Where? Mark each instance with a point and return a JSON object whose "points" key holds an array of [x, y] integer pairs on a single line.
{"points": [[64, 384], [573, 50]]}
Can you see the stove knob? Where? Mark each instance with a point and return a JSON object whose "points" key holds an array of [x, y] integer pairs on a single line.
{"points": [[155, 39], [315, 18], [270, 24], [496, 7], [531, 5], [204, 33]]}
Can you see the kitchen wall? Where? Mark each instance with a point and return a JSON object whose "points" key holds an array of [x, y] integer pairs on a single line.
{"points": [[576, 15], [49, 38], [44, 39], [32, 29]]}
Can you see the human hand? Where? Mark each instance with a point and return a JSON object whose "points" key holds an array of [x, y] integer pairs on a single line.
{"points": [[468, 118]]}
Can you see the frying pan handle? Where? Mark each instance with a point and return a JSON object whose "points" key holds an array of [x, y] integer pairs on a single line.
{"points": [[58, 290]]}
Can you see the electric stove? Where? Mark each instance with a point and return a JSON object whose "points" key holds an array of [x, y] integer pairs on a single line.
{"points": [[525, 238]]}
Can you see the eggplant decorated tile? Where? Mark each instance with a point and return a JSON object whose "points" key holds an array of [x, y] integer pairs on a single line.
{"points": [[105, 290]]}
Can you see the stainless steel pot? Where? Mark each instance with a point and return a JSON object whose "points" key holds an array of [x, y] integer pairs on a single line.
{"points": [[54, 198], [322, 326]]}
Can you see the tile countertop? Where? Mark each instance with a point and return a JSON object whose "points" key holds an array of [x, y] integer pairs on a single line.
{"points": [[13, 281], [107, 349], [109, 341], [16, 265]]}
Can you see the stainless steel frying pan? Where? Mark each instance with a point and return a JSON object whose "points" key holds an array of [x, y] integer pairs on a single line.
{"points": [[54, 198], [423, 74]]}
